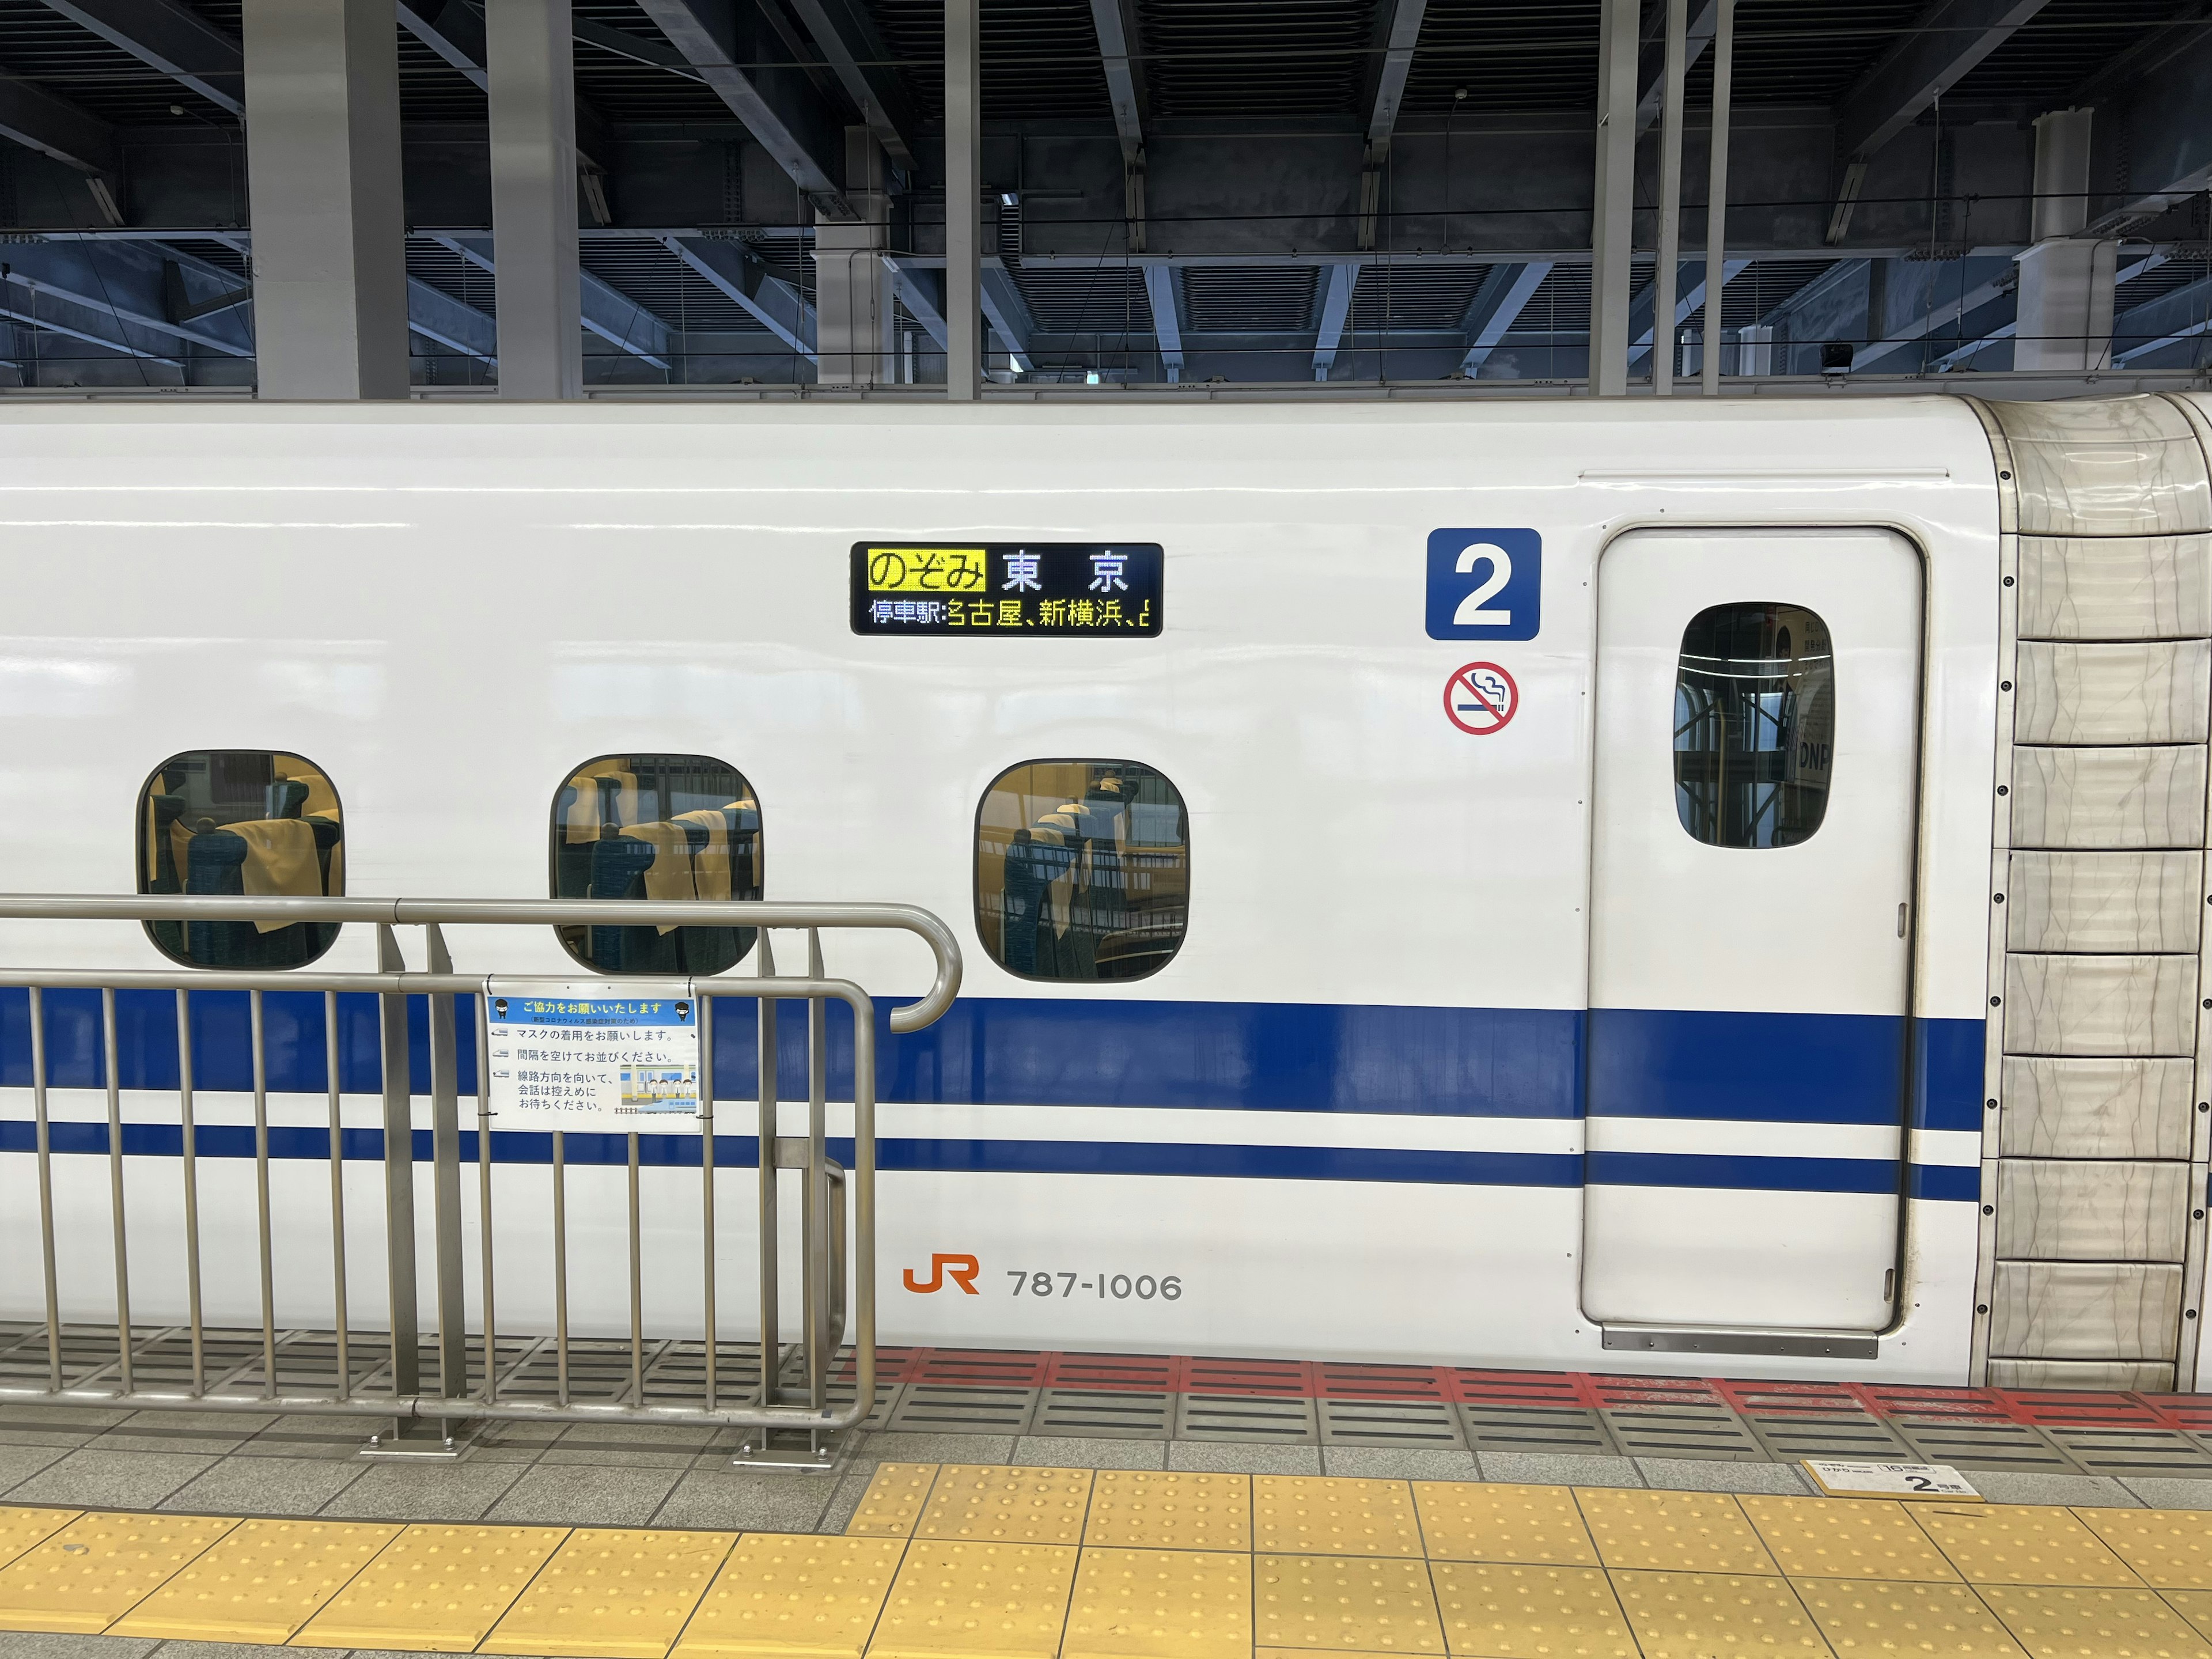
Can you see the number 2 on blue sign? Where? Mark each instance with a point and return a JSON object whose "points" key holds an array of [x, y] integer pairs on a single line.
{"points": [[1485, 584]]}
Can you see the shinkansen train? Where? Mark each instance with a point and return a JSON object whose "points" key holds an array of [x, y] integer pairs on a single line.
{"points": [[1693, 885]]}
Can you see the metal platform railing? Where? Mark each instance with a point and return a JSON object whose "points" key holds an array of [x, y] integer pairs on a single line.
{"points": [[433, 1388]]}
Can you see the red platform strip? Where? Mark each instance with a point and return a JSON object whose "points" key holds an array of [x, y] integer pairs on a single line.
{"points": [[1296, 1379]]}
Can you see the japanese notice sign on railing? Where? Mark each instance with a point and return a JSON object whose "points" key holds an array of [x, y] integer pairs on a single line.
{"points": [[572, 1057]]}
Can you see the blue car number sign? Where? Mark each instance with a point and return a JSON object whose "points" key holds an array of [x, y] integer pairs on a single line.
{"points": [[1485, 584]]}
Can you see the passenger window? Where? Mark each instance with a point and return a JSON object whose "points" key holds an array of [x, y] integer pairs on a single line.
{"points": [[657, 827], [1754, 725], [250, 822], [1082, 870]]}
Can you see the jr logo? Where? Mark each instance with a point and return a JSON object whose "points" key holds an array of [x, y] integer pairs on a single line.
{"points": [[960, 1269]]}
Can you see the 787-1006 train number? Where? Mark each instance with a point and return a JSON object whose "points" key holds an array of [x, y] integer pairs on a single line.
{"points": [[1118, 1287]]}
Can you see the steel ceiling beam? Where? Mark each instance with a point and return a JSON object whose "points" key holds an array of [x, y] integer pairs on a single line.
{"points": [[739, 275], [1938, 316], [1685, 307], [1007, 313], [780, 111], [437, 316], [1116, 25], [56, 315], [37, 119], [608, 312], [921, 304], [1497, 305], [1397, 33], [452, 31], [1335, 308], [171, 38], [1698, 37], [861, 61], [1167, 326], [1949, 38], [124, 314]]}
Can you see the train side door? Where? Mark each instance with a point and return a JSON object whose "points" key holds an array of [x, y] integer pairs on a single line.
{"points": [[1758, 707]]}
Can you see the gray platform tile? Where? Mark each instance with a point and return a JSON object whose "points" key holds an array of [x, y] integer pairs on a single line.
{"points": [[2093, 1491], [844, 1504], [111, 1480], [1400, 1463], [19, 1463], [584, 1495], [1242, 1457], [55, 1425], [1553, 1469], [424, 1491], [175, 1649], [2167, 1492], [749, 1500], [1058, 1451], [266, 1485], [893, 1447], [634, 1445], [335, 1437], [1696, 1475], [216, 1433], [34, 1644]]}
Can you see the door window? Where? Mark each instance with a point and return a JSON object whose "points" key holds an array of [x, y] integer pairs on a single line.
{"points": [[1754, 725]]}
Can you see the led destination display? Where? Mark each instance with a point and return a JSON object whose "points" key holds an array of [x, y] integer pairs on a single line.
{"points": [[1088, 590]]}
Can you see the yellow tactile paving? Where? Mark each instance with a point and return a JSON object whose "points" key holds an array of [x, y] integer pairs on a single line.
{"points": [[1344, 1604], [994, 1504], [1671, 1531], [1309, 1515], [20, 1528], [2172, 1549], [1697, 1615], [1483, 1521], [2074, 1623], [612, 1593], [1529, 1611], [435, 1588], [98, 1567], [893, 1501], [260, 1582], [2022, 1544], [1160, 1604], [1934, 1621], [1143, 1509], [2195, 1606], [780, 1594], [961, 1601], [1831, 1538]]}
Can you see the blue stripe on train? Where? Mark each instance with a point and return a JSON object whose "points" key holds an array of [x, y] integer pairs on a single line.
{"points": [[1396, 1165], [1469, 1062]]}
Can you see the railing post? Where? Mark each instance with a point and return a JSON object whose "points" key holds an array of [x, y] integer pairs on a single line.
{"points": [[814, 1206], [771, 1350], [446, 1181], [399, 1176]]}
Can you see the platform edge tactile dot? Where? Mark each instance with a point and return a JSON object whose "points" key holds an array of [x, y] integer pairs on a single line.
{"points": [[1015, 1603], [611, 1593], [1473, 1521], [1160, 1604], [1335, 1515], [86, 1558], [2169, 1549], [1859, 1616], [427, 1553], [1692, 1615], [2023, 1544], [24, 1528], [793, 1594], [1668, 1531], [1530, 1610], [195, 1603], [2066, 1619], [1156, 1508], [999, 1504], [1801, 1534], [892, 1505], [1344, 1604]]}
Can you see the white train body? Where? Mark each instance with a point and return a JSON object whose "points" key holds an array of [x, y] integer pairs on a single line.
{"points": [[1468, 1052]]}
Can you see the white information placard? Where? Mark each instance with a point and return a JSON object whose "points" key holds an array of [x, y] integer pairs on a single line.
{"points": [[574, 1057], [1890, 1480]]}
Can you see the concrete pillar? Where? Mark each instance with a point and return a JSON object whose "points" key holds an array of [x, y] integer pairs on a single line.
{"points": [[853, 290], [1666, 275], [1612, 218], [2065, 312], [963, 204], [530, 49], [322, 184]]}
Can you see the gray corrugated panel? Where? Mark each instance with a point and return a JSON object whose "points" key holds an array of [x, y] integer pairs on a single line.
{"points": [[1971, 1444], [1858, 1436], [1116, 1413], [1249, 298], [1296, 58], [1105, 299], [1245, 1417], [947, 1408], [2133, 1452], [1537, 1429], [1712, 1431], [1416, 299], [1429, 1423]]}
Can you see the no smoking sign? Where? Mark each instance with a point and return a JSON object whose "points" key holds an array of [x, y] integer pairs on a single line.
{"points": [[1481, 699]]}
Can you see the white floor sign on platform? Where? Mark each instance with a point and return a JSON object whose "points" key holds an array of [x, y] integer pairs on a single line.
{"points": [[571, 1057], [1890, 1480]]}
